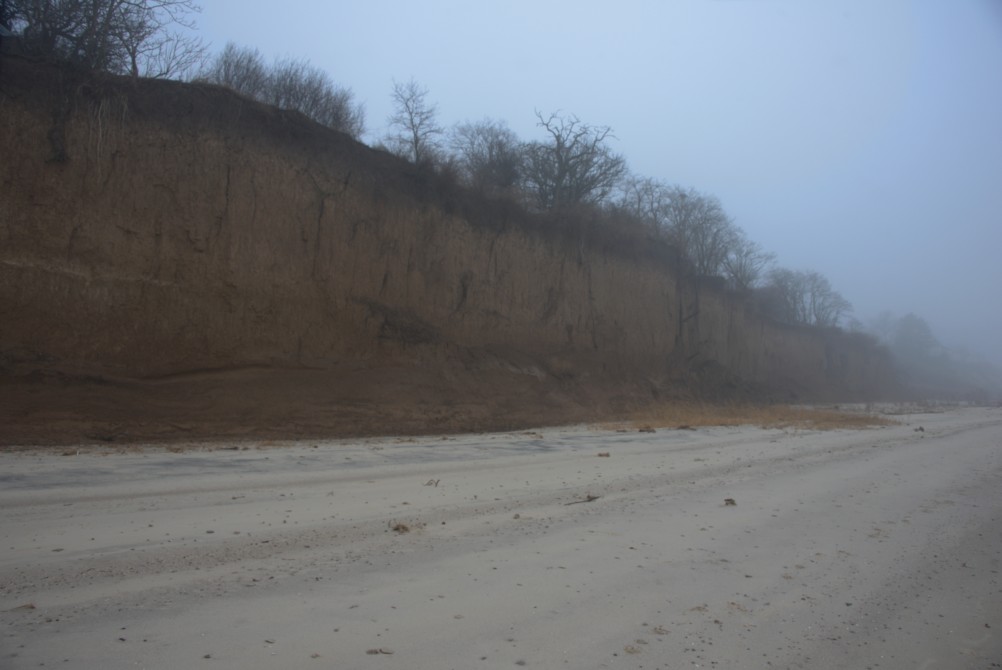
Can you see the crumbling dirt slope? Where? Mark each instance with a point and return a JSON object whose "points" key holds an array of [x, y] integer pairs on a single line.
{"points": [[180, 262]]}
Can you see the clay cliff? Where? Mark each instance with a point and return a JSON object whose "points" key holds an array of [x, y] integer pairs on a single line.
{"points": [[177, 261]]}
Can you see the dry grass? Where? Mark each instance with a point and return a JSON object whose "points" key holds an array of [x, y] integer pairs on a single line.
{"points": [[681, 416]]}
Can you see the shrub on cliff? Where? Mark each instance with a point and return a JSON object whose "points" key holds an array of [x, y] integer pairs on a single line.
{"points": [[288, 84]]}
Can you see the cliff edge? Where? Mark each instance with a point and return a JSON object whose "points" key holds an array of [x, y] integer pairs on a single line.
{"points": [[179, 262]]}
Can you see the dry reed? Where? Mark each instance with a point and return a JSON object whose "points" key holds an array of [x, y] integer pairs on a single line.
{"points": [[693, 415]]}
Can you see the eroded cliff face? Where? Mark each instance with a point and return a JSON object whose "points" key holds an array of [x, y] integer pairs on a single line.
{"points": [[195, 259]]}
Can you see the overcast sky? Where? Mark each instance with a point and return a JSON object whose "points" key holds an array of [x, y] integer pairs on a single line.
{"points": [[858, 138]]}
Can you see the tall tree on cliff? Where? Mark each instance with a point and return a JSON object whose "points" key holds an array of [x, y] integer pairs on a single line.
{"points": [[826, 305], [146, 38], [802, 297], [699, 227], [646, 199], [573, 166], [746, 263], [414, 128]]}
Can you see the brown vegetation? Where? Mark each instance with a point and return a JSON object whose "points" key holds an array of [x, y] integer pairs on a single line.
{"points": [[689, 415]]}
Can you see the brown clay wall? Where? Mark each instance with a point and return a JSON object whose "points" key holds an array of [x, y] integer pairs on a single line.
{"points": [[152, 228]]}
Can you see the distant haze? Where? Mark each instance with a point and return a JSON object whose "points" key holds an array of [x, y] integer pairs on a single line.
{"points": [[859, 139]]}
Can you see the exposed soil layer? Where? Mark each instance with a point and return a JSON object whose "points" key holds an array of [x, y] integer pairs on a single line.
{"points": [[179, 262], [260, 403]]}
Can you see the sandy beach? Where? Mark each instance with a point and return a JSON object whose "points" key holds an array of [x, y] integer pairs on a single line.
{"points": [[557, 548]]}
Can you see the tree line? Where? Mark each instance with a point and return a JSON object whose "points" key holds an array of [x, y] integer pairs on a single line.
{"points": [[573, 168], [155, 39], [287, 84], [930, 368]]}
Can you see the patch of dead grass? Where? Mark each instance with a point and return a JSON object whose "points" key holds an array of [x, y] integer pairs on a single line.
{"points": [[688, 415]]}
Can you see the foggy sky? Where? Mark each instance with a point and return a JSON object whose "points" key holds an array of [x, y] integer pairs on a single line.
{"points": [[860, 139]]}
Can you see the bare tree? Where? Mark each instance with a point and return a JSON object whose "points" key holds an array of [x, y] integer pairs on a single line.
{"points": [[239, 68], [169, 56], [415, 131], [699, 227], [711, 239], [647, 200], [137, 37], [802, 297], [746, 262], [826, 306], [152, 45], [289, 84], [295, 84], [489, 155], [574, 166]]}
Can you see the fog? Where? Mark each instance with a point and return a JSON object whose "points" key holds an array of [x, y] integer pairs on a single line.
{"points": [[859, 139]]}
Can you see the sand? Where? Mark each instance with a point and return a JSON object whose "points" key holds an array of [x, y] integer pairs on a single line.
{"points": [[877, 548]]}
